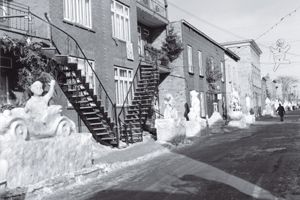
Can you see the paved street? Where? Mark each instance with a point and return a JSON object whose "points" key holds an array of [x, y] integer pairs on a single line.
{"points": [[258, 163]]}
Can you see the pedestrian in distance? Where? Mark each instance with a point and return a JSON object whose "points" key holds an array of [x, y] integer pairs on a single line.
{"points": [[280, 110]]}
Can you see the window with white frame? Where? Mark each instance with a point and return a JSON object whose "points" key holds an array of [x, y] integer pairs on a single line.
{"points": [[190, 58], [202, 104], [123, 80], [120, 21], [200, 63], [86, 71], [78, 11], [222, 72], [4, 9]]}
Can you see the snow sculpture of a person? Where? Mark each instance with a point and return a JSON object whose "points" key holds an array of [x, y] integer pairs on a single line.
{"points": [[170, 111], [235, 101], [268, 110], [194, 114], [37, 119], [37, 106]]}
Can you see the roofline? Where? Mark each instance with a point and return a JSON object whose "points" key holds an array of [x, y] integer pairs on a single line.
{"points": [[250, 41], [227, 51]]}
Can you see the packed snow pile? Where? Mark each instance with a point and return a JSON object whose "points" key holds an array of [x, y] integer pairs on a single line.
{"points": [[32, 161], [216, 123]]}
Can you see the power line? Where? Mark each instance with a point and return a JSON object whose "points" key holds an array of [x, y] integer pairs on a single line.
{"points": [[277, 23]]}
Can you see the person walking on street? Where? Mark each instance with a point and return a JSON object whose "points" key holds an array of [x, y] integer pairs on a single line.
{"points": [[280, 110]]}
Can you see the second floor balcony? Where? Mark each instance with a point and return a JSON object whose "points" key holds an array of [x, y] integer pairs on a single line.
{"points": [[152, 13], [15, 17]]}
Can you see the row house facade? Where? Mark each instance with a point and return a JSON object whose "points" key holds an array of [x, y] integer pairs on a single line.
{"points": [[189, 71], [100, 50], [248, 82]]}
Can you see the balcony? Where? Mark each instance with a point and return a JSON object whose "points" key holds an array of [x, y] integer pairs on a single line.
{"points": [[15, 17], [152, 13]]}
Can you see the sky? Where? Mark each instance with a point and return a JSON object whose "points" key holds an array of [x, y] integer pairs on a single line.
{"points": [[232, 20]]}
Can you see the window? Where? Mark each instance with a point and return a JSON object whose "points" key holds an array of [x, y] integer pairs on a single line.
{"points": [[222, 72], [4, 9], [78, 11], [120, 21], [190, 58], [86, 71], [202, 104], [200, 63], [123, 79]]}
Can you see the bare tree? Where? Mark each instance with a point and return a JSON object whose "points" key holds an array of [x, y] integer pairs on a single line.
{"points": [[287, 83]]}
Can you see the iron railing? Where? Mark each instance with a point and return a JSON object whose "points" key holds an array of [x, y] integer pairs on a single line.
{"points": [[16, 17], [155, 5]]}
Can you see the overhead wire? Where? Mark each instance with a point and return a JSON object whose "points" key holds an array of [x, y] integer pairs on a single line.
{"points": [[277, 23]]}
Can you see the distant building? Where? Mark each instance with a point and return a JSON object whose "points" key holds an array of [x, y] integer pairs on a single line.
{"points": [[249, 72], [190, 71]]}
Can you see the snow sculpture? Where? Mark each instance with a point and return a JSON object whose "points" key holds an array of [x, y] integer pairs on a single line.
{"points": [[170, 110], [37, 120], [250, 118], [195, 123], [235, 114], [194, 114], [167, 128], [268, 111]]}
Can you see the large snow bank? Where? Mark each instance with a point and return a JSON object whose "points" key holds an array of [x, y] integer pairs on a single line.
{"points": [[33, 161]]}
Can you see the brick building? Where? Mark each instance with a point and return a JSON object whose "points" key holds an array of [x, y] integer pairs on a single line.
{"points": [[101, 45], [189, 71], [249, 73]]}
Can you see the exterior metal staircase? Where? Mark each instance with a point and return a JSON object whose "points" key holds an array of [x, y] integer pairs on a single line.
{"points": [[91, 101], [89, 106], [139, 103]]}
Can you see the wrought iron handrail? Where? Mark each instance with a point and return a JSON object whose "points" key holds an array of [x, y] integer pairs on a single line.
{"points": [[102, 88]]}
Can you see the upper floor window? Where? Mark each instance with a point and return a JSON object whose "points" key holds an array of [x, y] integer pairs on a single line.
{"points": [[200, 63], [4, 9], [190, 58], [78, 11], [120, 21]]}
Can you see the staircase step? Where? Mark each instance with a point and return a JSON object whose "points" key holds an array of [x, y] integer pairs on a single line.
{"points": [[90, 113], [86, 107], [108, 138], [100, 129], [96, 124], [101, 134], [93, 118]]}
